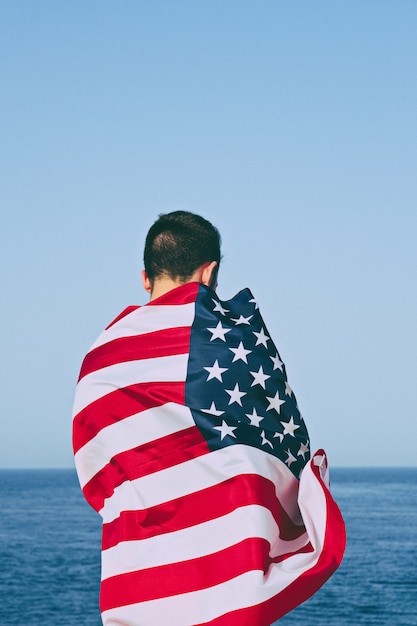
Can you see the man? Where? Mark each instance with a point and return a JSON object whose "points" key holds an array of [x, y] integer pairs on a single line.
{"points": [[189, 443]]}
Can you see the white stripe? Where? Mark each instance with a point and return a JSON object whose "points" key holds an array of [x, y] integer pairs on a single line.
{"points": [[246, 590], [198, 541], [129, 433], [201, 473], [310, 493], [108, 379], [148, 319]]}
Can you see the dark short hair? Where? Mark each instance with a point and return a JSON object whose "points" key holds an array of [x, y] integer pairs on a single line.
{"points": [[178, 243]]}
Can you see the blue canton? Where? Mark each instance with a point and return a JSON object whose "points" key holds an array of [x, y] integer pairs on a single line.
{"points": [[236, 384]]}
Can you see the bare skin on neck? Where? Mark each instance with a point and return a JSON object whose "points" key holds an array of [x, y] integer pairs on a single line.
{"points": [[161, 285]]}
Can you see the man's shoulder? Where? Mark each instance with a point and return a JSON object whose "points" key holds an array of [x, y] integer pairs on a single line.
{"points": [[126, 311]]}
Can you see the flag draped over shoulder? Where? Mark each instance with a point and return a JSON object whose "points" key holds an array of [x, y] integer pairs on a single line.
{"points": [[189, 443]]}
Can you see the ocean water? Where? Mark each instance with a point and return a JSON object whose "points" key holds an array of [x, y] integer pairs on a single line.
{"points": [[50, 552]]}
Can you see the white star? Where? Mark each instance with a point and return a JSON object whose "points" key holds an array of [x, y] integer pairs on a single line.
{"points": [[218, 307], [235, 394], [288, 390], [265, 440], [254, 418], [225, 430], [261, 338], [289, 427], [303, 450], [212, 410], [259, 378], [240, 353], [275, 403], [254, 303], [242, 320], [277, 362], [280, 435], [291, 458], [216, 371], [219, 332]]}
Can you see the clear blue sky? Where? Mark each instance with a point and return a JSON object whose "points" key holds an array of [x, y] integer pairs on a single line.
{"points": [[290, 125]]}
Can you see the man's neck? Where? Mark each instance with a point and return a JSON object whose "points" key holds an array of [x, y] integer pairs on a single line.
{"points": [[161, 286], [205, 274]]}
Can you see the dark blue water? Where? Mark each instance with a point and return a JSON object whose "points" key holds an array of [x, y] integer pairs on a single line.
{"points": [[50, 552]]}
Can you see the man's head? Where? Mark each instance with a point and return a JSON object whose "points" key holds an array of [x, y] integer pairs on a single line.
{"points": [[181, 247]]}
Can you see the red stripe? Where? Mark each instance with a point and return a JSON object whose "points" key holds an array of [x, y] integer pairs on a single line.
{"points": [[122, 403], [185, 294], [126, 311], [160, 343], [151, 457], [186, 576], [199, 507]]}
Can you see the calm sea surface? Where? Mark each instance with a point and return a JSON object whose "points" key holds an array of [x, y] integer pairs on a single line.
{"points": [[50, 552]]}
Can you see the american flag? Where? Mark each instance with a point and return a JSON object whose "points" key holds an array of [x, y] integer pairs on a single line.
{"points": [[189, 443]]}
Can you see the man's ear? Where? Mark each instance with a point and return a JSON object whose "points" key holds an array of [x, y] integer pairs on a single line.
{"points": [[146, 282], [209, 275]]}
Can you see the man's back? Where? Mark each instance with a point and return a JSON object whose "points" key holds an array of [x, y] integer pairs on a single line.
{"points": [[189, 443]]}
